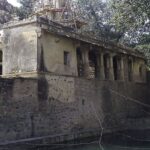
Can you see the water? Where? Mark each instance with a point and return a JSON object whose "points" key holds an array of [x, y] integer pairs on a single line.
{"points": [[107, 147], [121, 141], [127, 140], [133, 146]]}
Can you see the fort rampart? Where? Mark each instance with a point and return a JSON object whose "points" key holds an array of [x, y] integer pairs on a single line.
{"points": [[49, 105]]}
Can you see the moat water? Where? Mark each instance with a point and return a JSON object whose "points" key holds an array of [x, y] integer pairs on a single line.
{"points": [[126, 140], [123, 141], [134, 146], [108, 147]]}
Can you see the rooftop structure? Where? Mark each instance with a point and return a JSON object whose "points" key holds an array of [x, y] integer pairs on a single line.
{"points": [[61, 11]]}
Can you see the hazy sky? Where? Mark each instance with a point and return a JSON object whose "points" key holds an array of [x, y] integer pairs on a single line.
{"points": [[14, 2]]}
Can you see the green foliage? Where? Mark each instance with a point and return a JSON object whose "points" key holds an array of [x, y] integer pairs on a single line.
{"points": [[133, 18], [144, 46], [130, 14], [97, 15], [123, 21], [145, 49], [26, 8]]}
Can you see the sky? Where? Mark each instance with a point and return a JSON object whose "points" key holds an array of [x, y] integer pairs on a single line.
{"points": [[14, 2]]}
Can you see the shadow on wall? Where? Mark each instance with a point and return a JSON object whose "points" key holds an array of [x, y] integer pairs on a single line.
{"points": [[107, 102], [42, 93]]}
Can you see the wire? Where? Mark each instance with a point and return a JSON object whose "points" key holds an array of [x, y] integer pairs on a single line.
{"points": [[138, 102], [100, 123], [131, 148], [133, 138], [130, 99]]}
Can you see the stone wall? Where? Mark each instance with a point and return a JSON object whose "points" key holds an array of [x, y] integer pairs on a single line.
{"points": [[52, 105], [18, 101]]}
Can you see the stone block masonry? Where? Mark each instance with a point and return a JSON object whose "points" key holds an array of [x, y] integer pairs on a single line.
{"points": [[52, 105]]}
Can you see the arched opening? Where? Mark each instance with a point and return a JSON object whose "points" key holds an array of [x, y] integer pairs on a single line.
{"points": [[106, 66], [79, 62], [92, 65], [130, 70], [1, 62]]}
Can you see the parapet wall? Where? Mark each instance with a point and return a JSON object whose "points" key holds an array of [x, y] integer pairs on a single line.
{"points": [[52, 105]]}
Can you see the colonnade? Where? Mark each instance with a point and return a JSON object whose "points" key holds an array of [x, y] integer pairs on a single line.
{"points": [[108, 66]]}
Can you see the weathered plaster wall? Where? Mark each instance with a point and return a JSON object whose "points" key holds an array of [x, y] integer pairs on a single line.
{"points": [[51, 58], [52, 49], [137, 76], [29, 48], [20, 51], [139, 70], [59, 105]]}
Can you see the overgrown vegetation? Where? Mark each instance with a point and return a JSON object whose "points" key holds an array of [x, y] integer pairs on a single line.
{"points": [[26, 8], [98, 15], [133, 18]]}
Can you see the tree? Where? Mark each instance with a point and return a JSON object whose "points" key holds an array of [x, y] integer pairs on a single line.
{"points": [[26, 8], [6, 11], [144, 46], [97, 14], [130, 14], [133, 18]]}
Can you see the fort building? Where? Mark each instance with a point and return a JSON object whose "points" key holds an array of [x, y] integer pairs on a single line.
{"points": [[57, 83], [40, 45]]}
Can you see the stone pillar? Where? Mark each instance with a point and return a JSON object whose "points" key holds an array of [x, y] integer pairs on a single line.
{"points": [[85, 58], [102, 74], [122, 77], [132, 71], [111, 69]]}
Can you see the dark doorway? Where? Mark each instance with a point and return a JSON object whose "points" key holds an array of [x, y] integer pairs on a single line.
{"points": [[106, 66], [79, 62], [130, 70], [116, 68], [92, 65]]}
